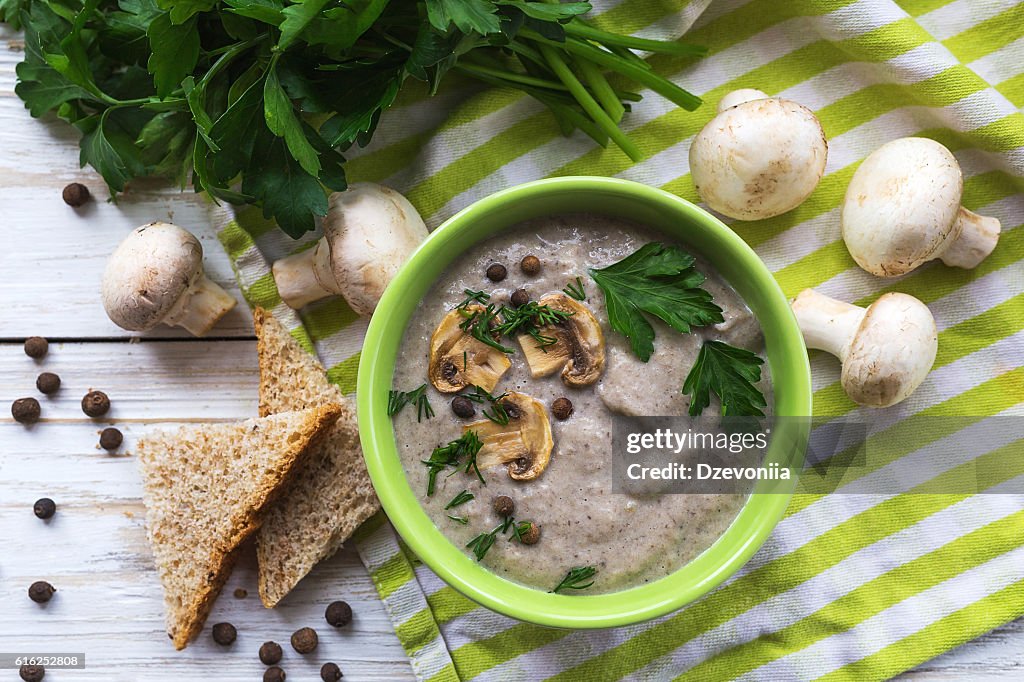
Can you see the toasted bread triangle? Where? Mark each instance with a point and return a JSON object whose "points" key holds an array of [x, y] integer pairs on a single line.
{"points": [[206, 488], [331, 494]]}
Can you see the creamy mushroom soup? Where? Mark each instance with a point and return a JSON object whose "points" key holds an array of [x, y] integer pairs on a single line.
{"points": [[564, 496]]}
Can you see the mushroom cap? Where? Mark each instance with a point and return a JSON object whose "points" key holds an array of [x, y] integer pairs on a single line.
{"points": [[458, 359], [891, 352], [371, 230], [901, 206], [579, 351], [147, 274], [524, 443], [758, 159], [737, 97]]}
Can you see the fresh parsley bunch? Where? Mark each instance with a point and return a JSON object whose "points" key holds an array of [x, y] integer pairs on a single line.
{"points": [[254, 101]]}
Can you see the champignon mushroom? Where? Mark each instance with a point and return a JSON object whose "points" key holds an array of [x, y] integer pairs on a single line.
{"points": [[902, 209], [886, 349], [759, 157], [156, 275], [525, 443], [369, 232], [578, 350], [458, 359]]}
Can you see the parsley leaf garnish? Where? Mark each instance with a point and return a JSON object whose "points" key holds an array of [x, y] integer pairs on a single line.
{"points": [[730, 373], [662, 281]]}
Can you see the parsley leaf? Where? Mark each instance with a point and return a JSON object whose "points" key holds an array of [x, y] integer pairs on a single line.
{"points": [[175, 51], [730, 373], [659, 280], [282, 121], [467, 15]]}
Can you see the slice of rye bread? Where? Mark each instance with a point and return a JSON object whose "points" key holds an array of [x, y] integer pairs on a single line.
{"points": [[206, 488], [331, 495]]}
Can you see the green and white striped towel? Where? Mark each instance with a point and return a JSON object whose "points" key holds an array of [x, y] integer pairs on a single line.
{"points": [[848, 586]]}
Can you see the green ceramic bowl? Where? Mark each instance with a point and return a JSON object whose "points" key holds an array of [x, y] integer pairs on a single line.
{"points": [[787, 359]]}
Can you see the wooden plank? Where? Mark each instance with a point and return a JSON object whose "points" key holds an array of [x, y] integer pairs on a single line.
{"points": [[94, 550], [53, 255]]}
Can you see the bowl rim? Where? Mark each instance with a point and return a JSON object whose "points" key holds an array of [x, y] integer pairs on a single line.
{"points": [[759, 514]]}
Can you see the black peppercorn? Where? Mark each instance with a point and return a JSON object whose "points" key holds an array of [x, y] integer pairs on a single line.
{"points": [[44, 508], [95, 403], [338, 614], [463, 407], [530, 265], [274, 674], [504, 505], [41, 591], [224, 633], [36, 347], [32, 673], [241, 593], [496, 272], [48, 383], [75, 194], [561, 408], [270, 653], [530, 536], [520, 298], [330, 672], [304, 640], [111, 438], [26, 410]]}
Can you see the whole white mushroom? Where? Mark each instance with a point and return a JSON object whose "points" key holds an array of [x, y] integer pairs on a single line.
{"points": [[156, 276], [902, 209], [369, 232], [886, 349], [759, 157]]}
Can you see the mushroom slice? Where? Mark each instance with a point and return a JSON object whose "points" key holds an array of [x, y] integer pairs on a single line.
{"points": [[578, 350], [524, 444], [458, 360]]}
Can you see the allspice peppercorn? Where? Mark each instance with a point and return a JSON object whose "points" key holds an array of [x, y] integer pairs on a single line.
{"points": [[41, 591], [36, 347], [520, 298], [111, 438], [95, 403], [330, 672], [48, 383], [338, 614], [270, 653], [562, 408], [32, 673], [274, 674], [530, 536], [26, 410], [530, 265], [75, 194], [496, 272], [304, 640], [504, 505], [224, 633], [463, 407], [44, 508]]}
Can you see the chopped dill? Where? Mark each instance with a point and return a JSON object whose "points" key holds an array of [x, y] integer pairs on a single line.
{"points": [[460, 453], [462, 498], [474, 297], [574, 578], [418, 397], [575, 290], [484, 541], [459, 519], [497, 414], [483, 326]]}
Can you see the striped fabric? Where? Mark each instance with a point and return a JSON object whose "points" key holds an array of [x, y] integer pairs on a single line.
{"points": [[848, 586]]}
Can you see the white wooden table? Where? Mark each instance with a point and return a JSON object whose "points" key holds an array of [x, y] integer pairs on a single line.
{"points": [[109, 603]]}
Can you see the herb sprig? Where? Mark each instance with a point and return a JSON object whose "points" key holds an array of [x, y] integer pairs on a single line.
{"points": [[484, 541], [418, 397], [254, 101], [497, 414], [575, 290], [659, 280], [484, 326], [576, 579], [460, 499], [460, 454], [529, 319], [730, 373]]}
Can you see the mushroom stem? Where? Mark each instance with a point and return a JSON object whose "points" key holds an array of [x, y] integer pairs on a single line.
{"points": [[199, 308], [978, 237], [741, 96], [827, 323], [306, 277]]}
